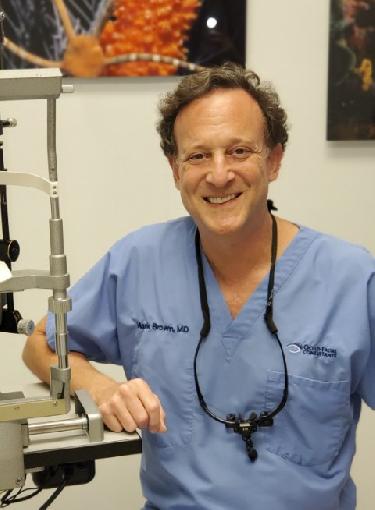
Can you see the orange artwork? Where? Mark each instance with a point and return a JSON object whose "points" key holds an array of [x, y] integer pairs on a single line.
{"points": [[156, 27], [145, 37]]}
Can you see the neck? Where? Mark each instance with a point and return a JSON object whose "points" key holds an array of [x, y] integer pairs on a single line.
{"points": [[232, 256]]}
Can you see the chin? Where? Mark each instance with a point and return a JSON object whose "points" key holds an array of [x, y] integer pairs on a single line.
{"points": [[223, 228]]}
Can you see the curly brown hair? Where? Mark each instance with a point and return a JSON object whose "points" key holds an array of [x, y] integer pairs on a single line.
{"points": [[228, 75]]}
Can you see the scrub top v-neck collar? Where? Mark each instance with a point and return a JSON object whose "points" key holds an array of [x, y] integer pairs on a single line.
{"points": [[222, 321]]}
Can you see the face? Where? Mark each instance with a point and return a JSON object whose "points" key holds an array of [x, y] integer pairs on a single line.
{"points": [[223, 166]]}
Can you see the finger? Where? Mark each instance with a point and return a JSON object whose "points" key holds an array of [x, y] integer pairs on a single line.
{"points": [[155, 413], [131, 400], [109, 419], [122, 414], [152, 405], [143, 405]]}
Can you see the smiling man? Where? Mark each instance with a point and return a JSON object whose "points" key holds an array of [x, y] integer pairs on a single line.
{"points": [[247, 340], [222, 165]]}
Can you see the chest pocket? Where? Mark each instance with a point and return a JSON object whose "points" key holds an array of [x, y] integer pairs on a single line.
{"points": [[165, 361], [311, 428]]}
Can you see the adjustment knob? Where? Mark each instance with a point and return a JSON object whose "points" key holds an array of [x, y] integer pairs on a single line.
{"points": [[25, 327]]}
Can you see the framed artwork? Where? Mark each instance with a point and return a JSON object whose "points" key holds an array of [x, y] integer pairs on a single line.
{"points": [[351, 88], [93, 38]]}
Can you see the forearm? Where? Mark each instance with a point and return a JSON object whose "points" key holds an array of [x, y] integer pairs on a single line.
{"points": [[125, 405], [38, 357]]}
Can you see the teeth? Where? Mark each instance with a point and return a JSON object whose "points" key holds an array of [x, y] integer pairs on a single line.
{"points": [[220, 200]]}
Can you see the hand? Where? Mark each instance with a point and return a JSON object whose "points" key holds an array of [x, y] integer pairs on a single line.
{"points": [[131, 405]]}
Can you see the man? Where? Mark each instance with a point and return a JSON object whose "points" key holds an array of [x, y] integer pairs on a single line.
{"points": [[248, 341]]}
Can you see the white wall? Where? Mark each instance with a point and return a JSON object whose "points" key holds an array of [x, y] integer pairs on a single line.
{"points": [[114, 179]]}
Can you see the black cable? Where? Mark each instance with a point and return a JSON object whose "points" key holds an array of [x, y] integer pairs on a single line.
{"points": [[8, 499], [202, 289], [53, 496], [268, 317], [271, 206]]}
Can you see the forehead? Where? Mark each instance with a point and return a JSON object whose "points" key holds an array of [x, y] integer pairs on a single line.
{"points": [[218, 115]]}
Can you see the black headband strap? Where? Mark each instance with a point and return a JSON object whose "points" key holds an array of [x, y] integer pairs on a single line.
{"points": [[245, 427]]}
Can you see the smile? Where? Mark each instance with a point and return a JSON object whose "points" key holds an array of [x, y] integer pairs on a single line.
{"points": [[221, 200]]}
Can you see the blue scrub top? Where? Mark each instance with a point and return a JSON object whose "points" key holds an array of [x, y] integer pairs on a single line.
{"points": [[139, 307]]}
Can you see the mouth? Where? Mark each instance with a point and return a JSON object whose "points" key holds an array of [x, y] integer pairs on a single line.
{"points": [[222, 200]]}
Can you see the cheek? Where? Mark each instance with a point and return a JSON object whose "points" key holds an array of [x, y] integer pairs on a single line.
{"points": [[189, 182], [255, 176], [264, 175]]}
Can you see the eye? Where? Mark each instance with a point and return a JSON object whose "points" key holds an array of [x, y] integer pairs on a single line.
{"points": [[240, 152], [196, 158]]}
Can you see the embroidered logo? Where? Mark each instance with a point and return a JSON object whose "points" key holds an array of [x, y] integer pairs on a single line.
{"points": [[294, 348], [155, 326], [318, 351]]}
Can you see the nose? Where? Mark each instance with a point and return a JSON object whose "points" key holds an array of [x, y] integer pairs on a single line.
{"points": [[219, 173]]}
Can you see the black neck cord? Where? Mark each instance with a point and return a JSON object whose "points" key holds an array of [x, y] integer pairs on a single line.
{"points": [[243, 426]]}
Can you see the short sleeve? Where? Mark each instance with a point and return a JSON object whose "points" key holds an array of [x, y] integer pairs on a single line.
{"points": [[367, 384], [92, 320]]}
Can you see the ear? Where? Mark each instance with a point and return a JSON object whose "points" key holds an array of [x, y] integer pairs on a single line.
{"points": [[172, 160], [274, 162]]}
